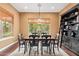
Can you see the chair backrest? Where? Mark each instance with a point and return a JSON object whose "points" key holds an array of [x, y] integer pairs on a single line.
{"points": [[44, 33], [33, 37], [34, 33], [57, 37], [46, 37], [20, 37]]}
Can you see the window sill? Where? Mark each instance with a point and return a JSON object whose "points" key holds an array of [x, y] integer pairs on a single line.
{"points": [[10, 37]]}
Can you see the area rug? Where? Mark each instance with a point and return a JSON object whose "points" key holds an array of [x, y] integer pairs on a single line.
{"points": [[34, 52]]}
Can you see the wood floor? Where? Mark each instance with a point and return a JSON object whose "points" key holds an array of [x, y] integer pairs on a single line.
{"points": [[9, 50], [68, 51], [12, 48]]}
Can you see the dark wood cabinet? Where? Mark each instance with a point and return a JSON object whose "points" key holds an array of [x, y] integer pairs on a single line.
{"points": [[70, 29]]}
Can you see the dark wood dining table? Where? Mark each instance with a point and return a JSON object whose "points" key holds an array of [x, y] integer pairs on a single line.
{"points": [[52, 40]]}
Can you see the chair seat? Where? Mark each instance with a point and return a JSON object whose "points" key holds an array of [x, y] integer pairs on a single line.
{"points": [[45, 44], [21, 42], [33, 44]]}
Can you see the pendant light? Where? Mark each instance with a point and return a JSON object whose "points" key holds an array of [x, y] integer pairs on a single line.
{"points": [[39, 18]]}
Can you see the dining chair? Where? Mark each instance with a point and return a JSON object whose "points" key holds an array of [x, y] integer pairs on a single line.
{"points": [[56, 43], [21, 42], [33, 42], [43, 33], [46, 43], [34, 33]]}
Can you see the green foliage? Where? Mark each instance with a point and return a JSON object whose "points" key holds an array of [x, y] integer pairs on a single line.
{"points": [[38, 27], [6, 28]]}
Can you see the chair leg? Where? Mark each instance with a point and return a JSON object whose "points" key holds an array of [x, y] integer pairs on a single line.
{"points": [[49, 50], [19, 48], [25, 48], [41, 50], [58, 47], [29, 51], [53, 48], [37, 50]]}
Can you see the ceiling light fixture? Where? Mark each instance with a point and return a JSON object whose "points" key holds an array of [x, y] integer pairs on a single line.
{"points": [[25, 7], [52, 7], [39, 18]]}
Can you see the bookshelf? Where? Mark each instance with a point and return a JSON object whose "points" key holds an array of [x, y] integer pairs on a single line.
{"points": [[70, 29]]}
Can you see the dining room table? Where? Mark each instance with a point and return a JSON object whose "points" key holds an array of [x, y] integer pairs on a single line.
{"points": [[52, 41]]}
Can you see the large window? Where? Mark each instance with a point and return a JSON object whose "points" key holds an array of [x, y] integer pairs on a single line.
{"points": [[39, 26], [5, 28]]}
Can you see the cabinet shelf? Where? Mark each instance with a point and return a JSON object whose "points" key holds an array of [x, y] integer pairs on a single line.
{"points": [[71, 17], [70, 28], [75, 23]]}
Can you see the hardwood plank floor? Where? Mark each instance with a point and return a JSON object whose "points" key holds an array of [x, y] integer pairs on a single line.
{"points": [[12, 48], [9, 50], [68, 51]]}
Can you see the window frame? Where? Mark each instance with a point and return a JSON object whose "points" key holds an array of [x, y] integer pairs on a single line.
{"points": [[12, 25]]}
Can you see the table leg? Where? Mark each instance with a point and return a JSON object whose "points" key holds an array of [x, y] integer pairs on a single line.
{"points": [[54, 47], [50, 49], [25, 48], [37, 49]]}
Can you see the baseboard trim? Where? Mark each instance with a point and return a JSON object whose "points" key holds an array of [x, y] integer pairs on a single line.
{"points": [[7, 46]]}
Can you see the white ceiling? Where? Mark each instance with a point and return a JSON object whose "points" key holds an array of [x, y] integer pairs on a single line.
{"points": [[33, 7]]}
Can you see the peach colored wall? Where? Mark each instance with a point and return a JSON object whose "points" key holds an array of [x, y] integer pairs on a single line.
{"points": [[53, 17], [10, 10]]}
